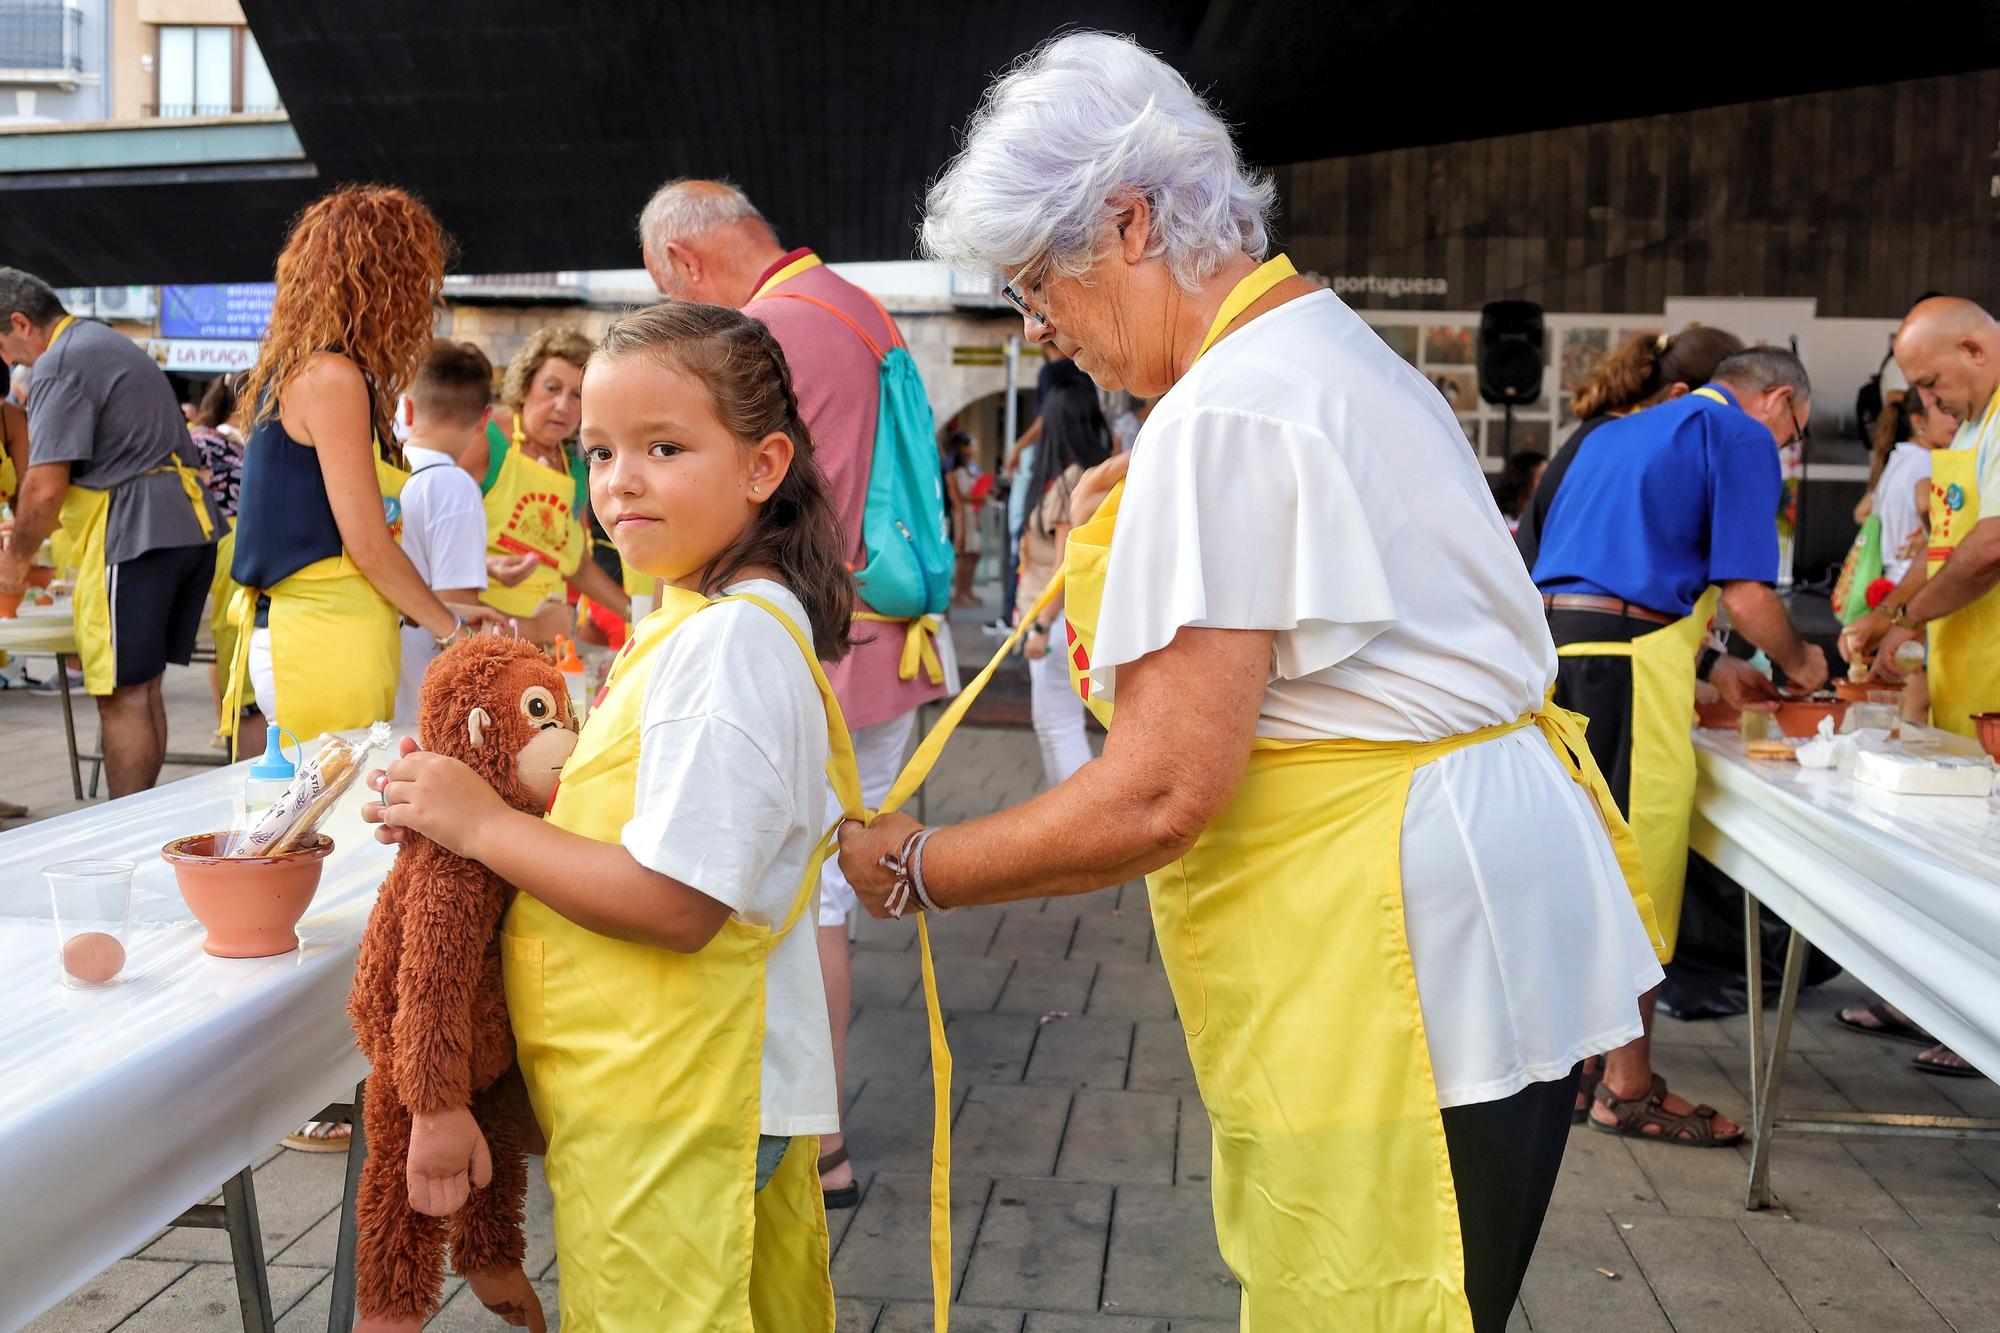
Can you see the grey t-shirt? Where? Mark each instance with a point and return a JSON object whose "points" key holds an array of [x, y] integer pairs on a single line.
{"points": [[100, 404]]}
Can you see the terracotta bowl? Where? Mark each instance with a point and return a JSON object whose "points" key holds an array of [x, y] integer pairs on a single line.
{"points": [[1800, 717], [1857, 691], [41, 576], [1718, 716], [10, 602], [1987, 727], [249, 904]]}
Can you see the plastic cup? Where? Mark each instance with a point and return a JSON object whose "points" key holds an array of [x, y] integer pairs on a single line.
{"points": [[93, 914]]}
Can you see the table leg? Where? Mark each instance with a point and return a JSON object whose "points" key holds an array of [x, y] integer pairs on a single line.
{"points": [[69, 728], [246, 1250], [1753, 974], [1765, 1120], [340, 1312]]}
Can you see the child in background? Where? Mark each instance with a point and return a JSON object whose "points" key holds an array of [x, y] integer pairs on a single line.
{"points": [[444, 516], [667, 1006]]}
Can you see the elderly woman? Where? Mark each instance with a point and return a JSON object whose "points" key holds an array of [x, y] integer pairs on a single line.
{"points": [[538, 520], [1391, 892]]}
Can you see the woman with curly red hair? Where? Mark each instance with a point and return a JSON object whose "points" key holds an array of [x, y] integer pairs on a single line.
{"points": [[316, 548]]}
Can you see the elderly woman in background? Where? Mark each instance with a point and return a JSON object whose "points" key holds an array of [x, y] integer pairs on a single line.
{"points": [[1392, 896], [538, 520]]}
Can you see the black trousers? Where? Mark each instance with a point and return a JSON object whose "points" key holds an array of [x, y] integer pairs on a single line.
{"points": [[1504, 1157], [1600, 688]]}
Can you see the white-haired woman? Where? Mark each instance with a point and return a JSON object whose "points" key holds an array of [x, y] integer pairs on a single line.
{"points": [[1385, 876]]}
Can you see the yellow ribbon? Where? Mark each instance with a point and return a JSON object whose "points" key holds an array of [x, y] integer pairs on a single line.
{"points": [[919, 644], [787, 273]]}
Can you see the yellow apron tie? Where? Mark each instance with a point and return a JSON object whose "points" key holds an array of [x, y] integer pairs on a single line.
{"points": [[1240, 298], [919, 644]]}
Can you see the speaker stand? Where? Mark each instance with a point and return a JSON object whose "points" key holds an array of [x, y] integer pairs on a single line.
{"points": [[1507, 433]]}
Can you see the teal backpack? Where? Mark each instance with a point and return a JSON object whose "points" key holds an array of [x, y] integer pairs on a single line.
{"points": [[906, 561]]}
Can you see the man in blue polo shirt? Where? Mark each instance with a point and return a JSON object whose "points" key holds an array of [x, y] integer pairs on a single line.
{"points": [[1657, 509]]}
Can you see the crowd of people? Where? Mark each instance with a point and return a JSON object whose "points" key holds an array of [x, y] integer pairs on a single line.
{"points": [[1344, 691]]}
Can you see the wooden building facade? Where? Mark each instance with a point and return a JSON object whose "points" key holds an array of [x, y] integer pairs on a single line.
{"points": [[1862, 199]]}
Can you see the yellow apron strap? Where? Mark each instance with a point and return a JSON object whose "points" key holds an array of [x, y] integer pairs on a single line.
{"points": [[1594, 650], [241, 616], [1245, 294], [191, 484], [787, 273], [919, 644], [1564, 731]]}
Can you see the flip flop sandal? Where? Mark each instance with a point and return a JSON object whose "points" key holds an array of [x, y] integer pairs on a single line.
{"points": [[1886, 1024], [1634, 1115], [321, 1136], [1938, 1067], [848, 1195], [1586, 1088]]}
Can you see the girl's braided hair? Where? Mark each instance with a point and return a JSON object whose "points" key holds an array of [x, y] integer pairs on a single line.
{"points": [[797, 532]]}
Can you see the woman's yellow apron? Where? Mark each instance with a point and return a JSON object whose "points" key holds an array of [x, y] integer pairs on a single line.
{"points": [[531, 510], [1661, 799], [643, 1067], [335, 647], [1333, 1195], [1964, 662], [85, 514]]}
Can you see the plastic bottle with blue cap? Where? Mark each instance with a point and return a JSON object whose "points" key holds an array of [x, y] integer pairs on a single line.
{"points": [[272, 772]]}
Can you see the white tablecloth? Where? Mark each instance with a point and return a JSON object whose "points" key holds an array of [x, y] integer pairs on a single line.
{"points": [[121, 1107], [1902, 891], [40, 629]]}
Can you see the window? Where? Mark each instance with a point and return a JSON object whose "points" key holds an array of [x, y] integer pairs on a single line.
{"points": [[212, 71]]}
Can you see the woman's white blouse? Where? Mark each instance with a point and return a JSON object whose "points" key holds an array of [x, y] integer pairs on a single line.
{"points": [[1302, 478]]}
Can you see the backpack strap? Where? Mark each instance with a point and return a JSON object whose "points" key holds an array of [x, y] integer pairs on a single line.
{"points": [[895, 335]]}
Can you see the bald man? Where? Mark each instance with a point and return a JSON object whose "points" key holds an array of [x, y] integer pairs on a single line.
{"points": [[1949, 349]]}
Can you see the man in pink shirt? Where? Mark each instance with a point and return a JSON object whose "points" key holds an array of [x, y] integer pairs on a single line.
{"points": [[704, 241]]}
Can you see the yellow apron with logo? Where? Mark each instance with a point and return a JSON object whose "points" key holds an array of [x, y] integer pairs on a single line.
{"points": [[1964, 662], [1661, 799], [1333, 1196], [531, 509], [336, 649], [643, 1067]]}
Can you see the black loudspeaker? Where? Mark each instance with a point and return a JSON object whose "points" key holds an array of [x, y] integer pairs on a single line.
{"points": [[1511, 354]]}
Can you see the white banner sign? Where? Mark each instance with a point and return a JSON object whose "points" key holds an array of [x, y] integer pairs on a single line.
{"points": [[202, 356]]}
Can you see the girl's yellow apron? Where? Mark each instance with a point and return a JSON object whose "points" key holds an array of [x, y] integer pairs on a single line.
{"points": [[335, 647], [531, 509], [1964, 660], [83, 518], [1283, 938], [643, 1068]]}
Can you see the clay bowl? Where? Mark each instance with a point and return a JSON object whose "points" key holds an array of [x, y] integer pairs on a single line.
{"points": [[1987, 727], [249, 904], [41, 576], [1800, 717], [10, 602], [1857, 691], [1718, 716]]}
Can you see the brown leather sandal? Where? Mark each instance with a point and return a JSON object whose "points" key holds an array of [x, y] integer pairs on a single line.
{"points": [[1590, 1075], [1647, 1117]]}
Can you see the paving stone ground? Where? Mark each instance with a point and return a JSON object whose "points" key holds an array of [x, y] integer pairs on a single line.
{"points": [[1081, 1185]]}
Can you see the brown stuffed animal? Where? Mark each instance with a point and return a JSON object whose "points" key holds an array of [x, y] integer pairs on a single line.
{"points": [[429, 1010]]}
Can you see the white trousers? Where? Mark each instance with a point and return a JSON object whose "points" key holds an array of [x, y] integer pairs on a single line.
{"points": [[878, 753], [1057, 711]]}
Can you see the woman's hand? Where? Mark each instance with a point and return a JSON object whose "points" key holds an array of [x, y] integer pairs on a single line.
{"points": [[862, 848], [1094, 485], [511, 570], [1038, 644], [436, 796]]}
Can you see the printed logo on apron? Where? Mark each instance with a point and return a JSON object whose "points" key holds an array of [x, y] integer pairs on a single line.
{"points": [[538, 524]]}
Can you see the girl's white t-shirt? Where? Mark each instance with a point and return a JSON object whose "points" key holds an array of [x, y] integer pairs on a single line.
{"points": [[1305, 479], [1896, 504], [730, 801]]}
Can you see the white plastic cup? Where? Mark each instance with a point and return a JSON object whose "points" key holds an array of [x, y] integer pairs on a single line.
{"points": [[93, 914]]}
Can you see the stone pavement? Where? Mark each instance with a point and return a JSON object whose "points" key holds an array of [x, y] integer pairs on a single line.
{"points": [[1081, 1194]]}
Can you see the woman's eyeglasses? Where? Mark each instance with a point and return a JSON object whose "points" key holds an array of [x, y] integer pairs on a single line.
{"points": [[1014, 298]]}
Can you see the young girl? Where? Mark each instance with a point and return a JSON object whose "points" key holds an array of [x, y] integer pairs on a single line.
{"points": [[670, 1018]]}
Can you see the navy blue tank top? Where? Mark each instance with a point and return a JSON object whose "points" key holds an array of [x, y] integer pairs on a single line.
{"points": [[284, 521]]}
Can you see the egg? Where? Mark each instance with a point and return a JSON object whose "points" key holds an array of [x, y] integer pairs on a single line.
{"points": [[93, 956]]}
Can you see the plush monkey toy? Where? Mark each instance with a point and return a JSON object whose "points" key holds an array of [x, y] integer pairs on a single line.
{"points": [[430, 1013]]}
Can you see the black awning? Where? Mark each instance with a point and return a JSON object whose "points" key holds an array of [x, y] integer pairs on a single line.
{"points": [[537, 131]]}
